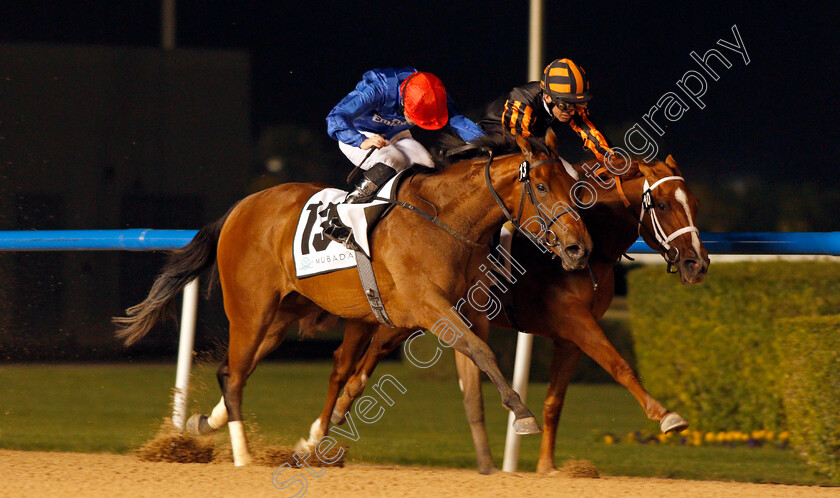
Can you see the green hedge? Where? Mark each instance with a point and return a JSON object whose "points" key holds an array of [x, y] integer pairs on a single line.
{"points": [[809, 356], [707, 350]]}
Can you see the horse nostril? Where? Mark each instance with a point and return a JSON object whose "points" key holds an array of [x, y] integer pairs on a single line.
{"points": [[692, 265], [574, 250]]}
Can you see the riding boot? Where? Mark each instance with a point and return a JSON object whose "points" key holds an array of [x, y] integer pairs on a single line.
{"points": [[364, 192], [373, 179]]}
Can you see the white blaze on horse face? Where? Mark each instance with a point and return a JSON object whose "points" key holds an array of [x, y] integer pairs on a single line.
{"points": [[695, 239]]}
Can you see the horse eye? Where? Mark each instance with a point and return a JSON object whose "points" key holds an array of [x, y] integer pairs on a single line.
{"points": [[661, 206], [541, 187]]}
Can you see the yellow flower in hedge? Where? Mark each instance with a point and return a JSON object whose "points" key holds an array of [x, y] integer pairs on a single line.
{"points": [[783, 436], [609, 439], [710, 437], [770, 435], [758, 435]]}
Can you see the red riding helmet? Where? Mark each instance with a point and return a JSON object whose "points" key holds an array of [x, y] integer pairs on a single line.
{"points": [[423, 99], [566, 81]]}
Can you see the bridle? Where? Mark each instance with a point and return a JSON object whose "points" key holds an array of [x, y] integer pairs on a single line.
{"points": [[663, 240], [548, 238]]}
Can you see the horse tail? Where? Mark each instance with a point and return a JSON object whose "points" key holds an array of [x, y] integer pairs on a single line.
{"points": [[182, 267]]}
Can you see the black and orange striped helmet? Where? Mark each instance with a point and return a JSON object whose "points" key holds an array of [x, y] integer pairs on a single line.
{"points": [[564, 80]]}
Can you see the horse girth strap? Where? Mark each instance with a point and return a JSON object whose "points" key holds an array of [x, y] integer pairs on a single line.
{"points": [[371, 289]]}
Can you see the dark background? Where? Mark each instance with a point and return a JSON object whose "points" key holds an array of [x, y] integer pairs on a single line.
{"points": [[135, 137], [774, 118]]}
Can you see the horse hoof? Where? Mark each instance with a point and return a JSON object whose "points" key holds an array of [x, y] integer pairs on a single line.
{"points": [[489, 470], [302, 446], [527, 425], [673, 423], [197, 425], [337, 418]]}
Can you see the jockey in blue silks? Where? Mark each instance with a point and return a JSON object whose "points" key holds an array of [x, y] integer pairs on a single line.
{"points": [[379, 114]]}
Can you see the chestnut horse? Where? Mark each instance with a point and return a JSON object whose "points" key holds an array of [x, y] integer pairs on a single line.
{"points": [[560, 305], [252, 247]]}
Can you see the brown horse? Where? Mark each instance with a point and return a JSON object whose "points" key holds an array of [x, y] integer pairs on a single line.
{"points": [[252, 247], [560, 305]]}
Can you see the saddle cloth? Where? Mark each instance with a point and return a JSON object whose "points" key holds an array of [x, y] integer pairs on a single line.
{"points": [[315, 253]]}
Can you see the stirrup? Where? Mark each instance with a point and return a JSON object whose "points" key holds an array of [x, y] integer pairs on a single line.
{"points": [[342, 235]]}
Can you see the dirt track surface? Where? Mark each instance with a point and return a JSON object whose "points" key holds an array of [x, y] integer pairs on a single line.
{"points": [[77, 474]]}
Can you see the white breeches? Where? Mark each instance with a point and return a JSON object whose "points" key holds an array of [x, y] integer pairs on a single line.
{"points": [[400, 154]]}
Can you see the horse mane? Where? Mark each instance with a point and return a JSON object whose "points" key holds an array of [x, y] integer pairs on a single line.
{"points": [[500, 144], [496, 143]]}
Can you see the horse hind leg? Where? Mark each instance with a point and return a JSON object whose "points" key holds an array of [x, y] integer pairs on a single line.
{"points": [[345, 358], [469, 378], [384, 341], [566, 356], [242, 359]]}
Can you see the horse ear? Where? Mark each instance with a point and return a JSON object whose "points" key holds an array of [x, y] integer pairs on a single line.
{"points": [[527, 152], [673, 164], [646, 170], [551, 143]]}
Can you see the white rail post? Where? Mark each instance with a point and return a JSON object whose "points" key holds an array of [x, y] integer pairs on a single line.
{"points": [[522, 365], [185, 352], [524, 342]]}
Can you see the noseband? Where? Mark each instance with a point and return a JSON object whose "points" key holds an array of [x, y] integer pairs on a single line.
{"points": [[548, 238], [662, 239]]}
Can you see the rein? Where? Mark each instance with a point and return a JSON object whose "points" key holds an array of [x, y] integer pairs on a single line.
{"points": [[433, 219], [525, 178]]}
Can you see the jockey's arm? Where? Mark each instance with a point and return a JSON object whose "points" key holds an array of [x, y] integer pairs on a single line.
{"points": [[462, 125], [518, 117], [592, 138], [357, 103], [465, 127]]}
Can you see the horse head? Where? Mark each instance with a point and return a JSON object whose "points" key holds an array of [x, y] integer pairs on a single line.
{"points": [[667, 215], [545, 210]]}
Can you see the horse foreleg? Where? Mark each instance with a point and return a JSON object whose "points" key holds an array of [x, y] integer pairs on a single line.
{"points": [[582, 328], [384, 341], [566, 356], [345, 358], [470, 345]]}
